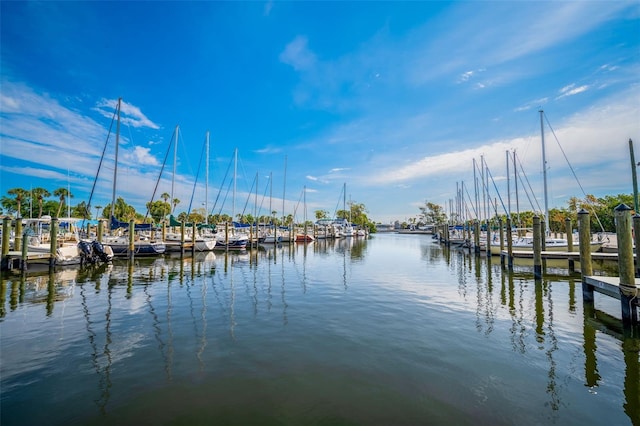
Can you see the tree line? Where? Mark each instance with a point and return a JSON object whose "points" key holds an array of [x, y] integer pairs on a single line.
{"points": [[37, 202], [600, 209]]}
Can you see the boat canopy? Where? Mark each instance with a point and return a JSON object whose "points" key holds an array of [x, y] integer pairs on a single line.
{"points": [[115, 224]]}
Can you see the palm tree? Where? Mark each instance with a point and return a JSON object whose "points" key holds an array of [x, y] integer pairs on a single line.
{"points": [[165, 197], [63, 193], [98, 208], [21, 195], [175, 204], [40, 194]]}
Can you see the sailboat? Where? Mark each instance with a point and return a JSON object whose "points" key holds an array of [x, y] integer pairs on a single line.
{"points": [[173, 240], [143, 244], [232, 239], [551, 244], [304, 237]]}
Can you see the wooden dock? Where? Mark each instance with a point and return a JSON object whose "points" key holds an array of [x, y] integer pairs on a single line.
{"points": [[610, 286], [14, 258], [569, 255]]}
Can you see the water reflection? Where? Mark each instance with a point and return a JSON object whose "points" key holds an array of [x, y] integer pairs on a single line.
{"points": [[248, 313]]}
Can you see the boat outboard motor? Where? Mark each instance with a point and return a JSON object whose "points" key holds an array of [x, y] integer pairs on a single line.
{"points": [[99, 251], [86, 251]]}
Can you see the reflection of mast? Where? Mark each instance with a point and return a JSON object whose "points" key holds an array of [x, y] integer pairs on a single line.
{"points": [[158, 332], [553, 346], [203, 315]]}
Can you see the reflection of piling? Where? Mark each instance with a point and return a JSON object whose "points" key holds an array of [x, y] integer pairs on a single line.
{"points": [[537, 248], [628, 290]]}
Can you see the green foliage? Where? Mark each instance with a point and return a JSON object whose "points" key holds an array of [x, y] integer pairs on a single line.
{"points": [[433, 214]]}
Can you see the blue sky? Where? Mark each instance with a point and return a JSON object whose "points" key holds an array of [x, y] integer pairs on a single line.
{"points": [[393, 99]]}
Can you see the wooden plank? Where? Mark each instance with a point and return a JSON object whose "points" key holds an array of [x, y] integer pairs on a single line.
{"points": [[607, 285]]}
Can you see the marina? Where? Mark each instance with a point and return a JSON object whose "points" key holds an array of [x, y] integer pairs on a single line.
{"points": [[391, 329]]}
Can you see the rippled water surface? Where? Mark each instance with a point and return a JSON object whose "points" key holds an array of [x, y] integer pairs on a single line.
{"points": [[395, 329]]}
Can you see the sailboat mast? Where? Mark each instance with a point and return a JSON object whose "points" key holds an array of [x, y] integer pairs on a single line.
{"points": [[515, 179], [235, 174], [115, 166], [344, 199], [508, 187], [206, 184], [284, 187], [544, 175], [175, 160]]}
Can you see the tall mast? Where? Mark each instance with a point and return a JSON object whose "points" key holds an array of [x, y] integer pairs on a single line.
{"points": [[508, 187], [235, 173], [206, 186], [344, 200], [115, 166], [175, 160], [515, 179], [284, 187], [544, 175]]}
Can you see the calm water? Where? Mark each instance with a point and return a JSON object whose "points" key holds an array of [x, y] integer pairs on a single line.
{"points": [[392, 330]]}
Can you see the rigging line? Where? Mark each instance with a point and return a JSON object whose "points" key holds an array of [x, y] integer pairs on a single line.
{"points": [[249, 196], [573, 172], [335, 212], [224, 200], [497, 192], [221, 186], [528, 184], [106, 143], [471, 202], [158, 181], [264, 195]]}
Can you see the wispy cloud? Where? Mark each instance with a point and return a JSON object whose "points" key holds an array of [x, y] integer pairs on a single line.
{"points": [[571, 90], [298, 55]]}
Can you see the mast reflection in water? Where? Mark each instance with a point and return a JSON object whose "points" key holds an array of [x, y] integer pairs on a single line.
{"points": [[392, 329]]}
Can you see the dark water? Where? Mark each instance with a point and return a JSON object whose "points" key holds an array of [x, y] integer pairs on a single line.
{"points": [[388, 331]]}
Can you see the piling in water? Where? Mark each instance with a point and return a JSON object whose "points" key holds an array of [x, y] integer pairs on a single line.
{"points": [[628, 289], [537, 248], [567, 227]]}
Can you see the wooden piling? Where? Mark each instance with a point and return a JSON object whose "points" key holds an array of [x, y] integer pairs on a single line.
{"points": [[17, 241], [182, 237], [6, 224], [54, 241], [586, 267], [132, 229], [193, 237], [636, 238], [537, 248], [509, 245], [476, 237], [100, 230], [501, 241], [626, 270], [567, 227], [25, 255], [488, 248]]}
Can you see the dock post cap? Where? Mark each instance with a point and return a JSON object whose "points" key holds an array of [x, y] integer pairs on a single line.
{"points": [[583, 211], [622, 207]]}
